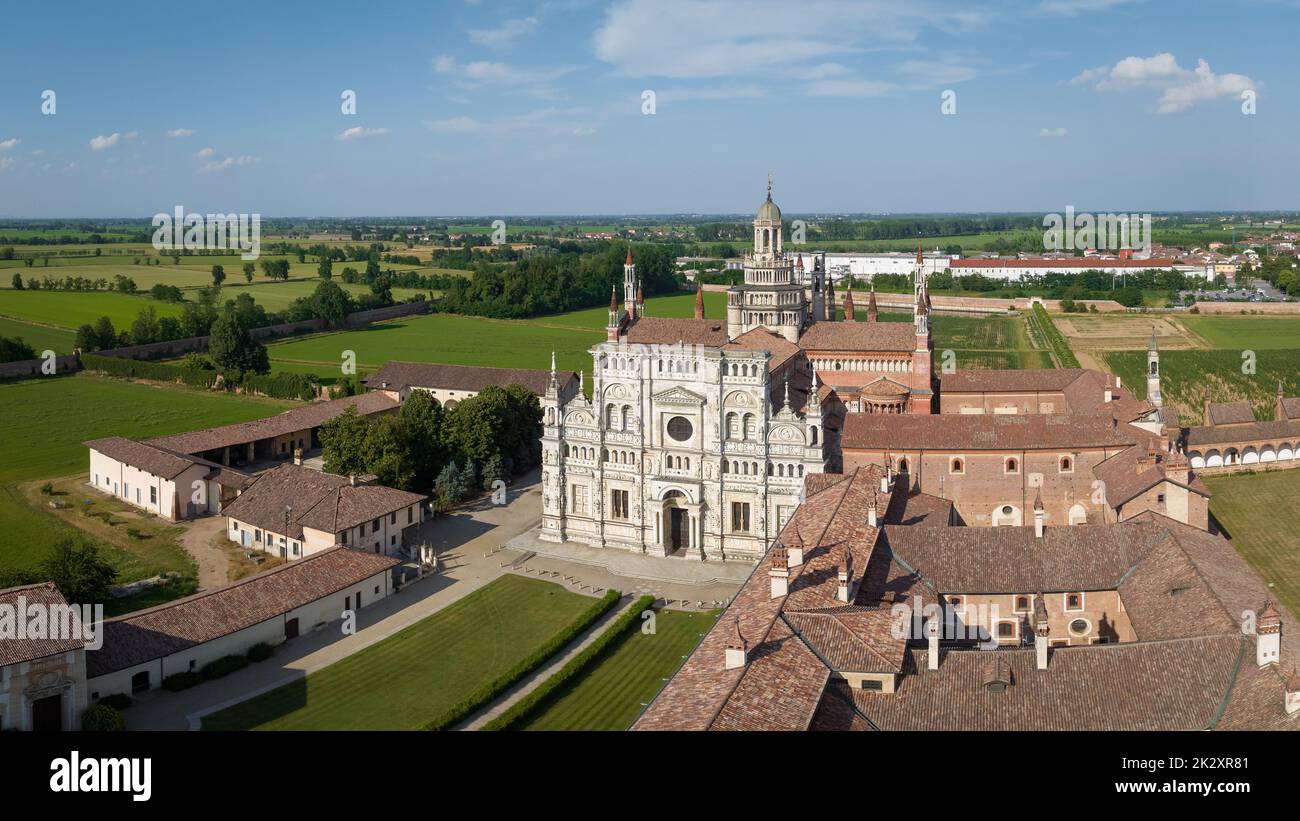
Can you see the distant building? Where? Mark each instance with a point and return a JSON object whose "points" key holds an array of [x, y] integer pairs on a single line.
{"points": [[452, 384]]}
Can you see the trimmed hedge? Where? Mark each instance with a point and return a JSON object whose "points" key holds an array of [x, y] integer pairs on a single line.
{"points": [[102, 718], [529, 704], [223, 666], [260, 651], [487, 693], [118, 701], [181, 681], [278, 386]]}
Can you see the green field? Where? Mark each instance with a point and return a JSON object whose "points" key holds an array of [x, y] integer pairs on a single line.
{"points": [[46, 420], [1260, 516], [276, 296], [71, 309], [1184, 376], [40, 337], [612, 691], [1245, 332], [412, 677]]}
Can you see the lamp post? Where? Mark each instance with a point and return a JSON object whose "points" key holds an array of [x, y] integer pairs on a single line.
{"points": [[284, 547]]}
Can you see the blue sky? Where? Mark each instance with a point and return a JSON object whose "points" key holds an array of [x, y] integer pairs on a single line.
{"points": [[508, 108]]}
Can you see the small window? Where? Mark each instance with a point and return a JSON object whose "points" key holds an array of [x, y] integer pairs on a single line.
{"points": [[955, 601], [1022, 604], [1073, 601], [1080, 627], [392, 518], [376, 590], [1012, 466], [1067, 464], [1006, 510], [872, 684], [957, 466], [374, 526], [1006, 629], [1160, 498]]}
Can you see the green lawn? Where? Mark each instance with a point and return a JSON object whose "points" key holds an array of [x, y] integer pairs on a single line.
{"points": [[71, 309], [1238, 332], [40, 337], [46, 420], [1259, 513], [615, 688], [412, 677], [276, 296]]}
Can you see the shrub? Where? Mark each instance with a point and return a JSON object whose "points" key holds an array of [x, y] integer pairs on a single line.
{"points": [[530, 703], [47, 489], [118, 701], [469, 705], [260, 651], [224, 666], [135, 533], [102, 718], [181, 681]]}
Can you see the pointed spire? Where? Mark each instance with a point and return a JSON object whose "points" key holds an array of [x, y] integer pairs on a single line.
{"points": [[552, 363], [848, 306], [920, 258], [699, 301], [1151, 346], [786, 404], [628, 261], [871, 305], [799, 262], [769, 186], [613, 299]]}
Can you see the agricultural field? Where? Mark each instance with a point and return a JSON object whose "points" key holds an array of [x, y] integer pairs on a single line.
{"points": [[611, 692], [1258, 513], [71, 309], [1244, 332], [416, 675], [40, 337], [1184, 376], [46, 420], [276, 296]]}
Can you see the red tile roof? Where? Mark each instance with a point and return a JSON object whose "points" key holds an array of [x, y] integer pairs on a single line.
{"points": [[311, 415], [43, 596]]}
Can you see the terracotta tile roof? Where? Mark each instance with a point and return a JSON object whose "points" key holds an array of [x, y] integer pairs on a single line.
{"points": [[1286, 430], [321, 501], [1164, 685], [851, 638], [149, 458], [780, 687], [761, 339], [1291, 407], [312, 415], [1009, 380], [1231, 413], [654, 330], [43, 595], [919, 510], [859, 336], [1126, 475], [175, 626], [400, 375], [962, 432]]}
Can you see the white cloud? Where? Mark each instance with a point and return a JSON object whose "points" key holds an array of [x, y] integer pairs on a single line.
{"points": [[1073, 8], [203, 153], [8, 144], [720, 38], [444, 63], [357, 132], [101, 142], [181, 132], [1052, 132], [910, 75], [506, 33], [549, 122], [681, 95], [1180, 88], [228, 162], [5, 162]]}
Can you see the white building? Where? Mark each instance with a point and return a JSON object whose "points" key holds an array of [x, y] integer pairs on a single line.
{"points": [[699, 432], [862, 266], [42, 678], [172, 485], [1008, 269]]}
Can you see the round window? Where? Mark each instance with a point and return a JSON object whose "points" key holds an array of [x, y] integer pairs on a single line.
{"points": [[1080, 627], [679, 428], [1006, 510]]}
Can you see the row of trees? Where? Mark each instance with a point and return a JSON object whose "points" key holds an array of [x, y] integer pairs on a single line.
{"points": [[120, 283], [427, 448]]}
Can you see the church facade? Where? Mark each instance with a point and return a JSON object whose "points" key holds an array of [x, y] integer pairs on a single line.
{"points": [[699, 432]]}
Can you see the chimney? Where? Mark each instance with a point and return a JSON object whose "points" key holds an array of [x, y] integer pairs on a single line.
{"points": [[1268, 635], [1118, 383], [1039, 514], [794, 549], [384, 384], [1177, 468], [1041, 632], [297, 456], [1107, 395], [932, 630], [1293, 692], [737, 654], [842, 574], [352, 479], [779, 572], [871, 512]]}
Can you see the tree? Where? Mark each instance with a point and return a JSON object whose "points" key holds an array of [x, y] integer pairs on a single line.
{"points": [[325, 269], [450, 486], [422, 420], [82, 575], [145, 329], [18, 282], [330, 303], [249, 268], [87, 338], [105, 334], [218, 275], [388, 453], [14, 349], [233, 348], [102, 718], [343, 443]]}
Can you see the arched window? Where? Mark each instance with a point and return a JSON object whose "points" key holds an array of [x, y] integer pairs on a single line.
{"points": [[604, 455], [902, 465], [751, 427], [770, 468], [1022, 603], [610, 417], [814, 434], [1013, 466], [1066, 464], [724, 465], [957, 466]]}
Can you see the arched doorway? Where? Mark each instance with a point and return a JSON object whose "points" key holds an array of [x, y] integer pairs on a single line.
{"points": [[677, 523]]}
